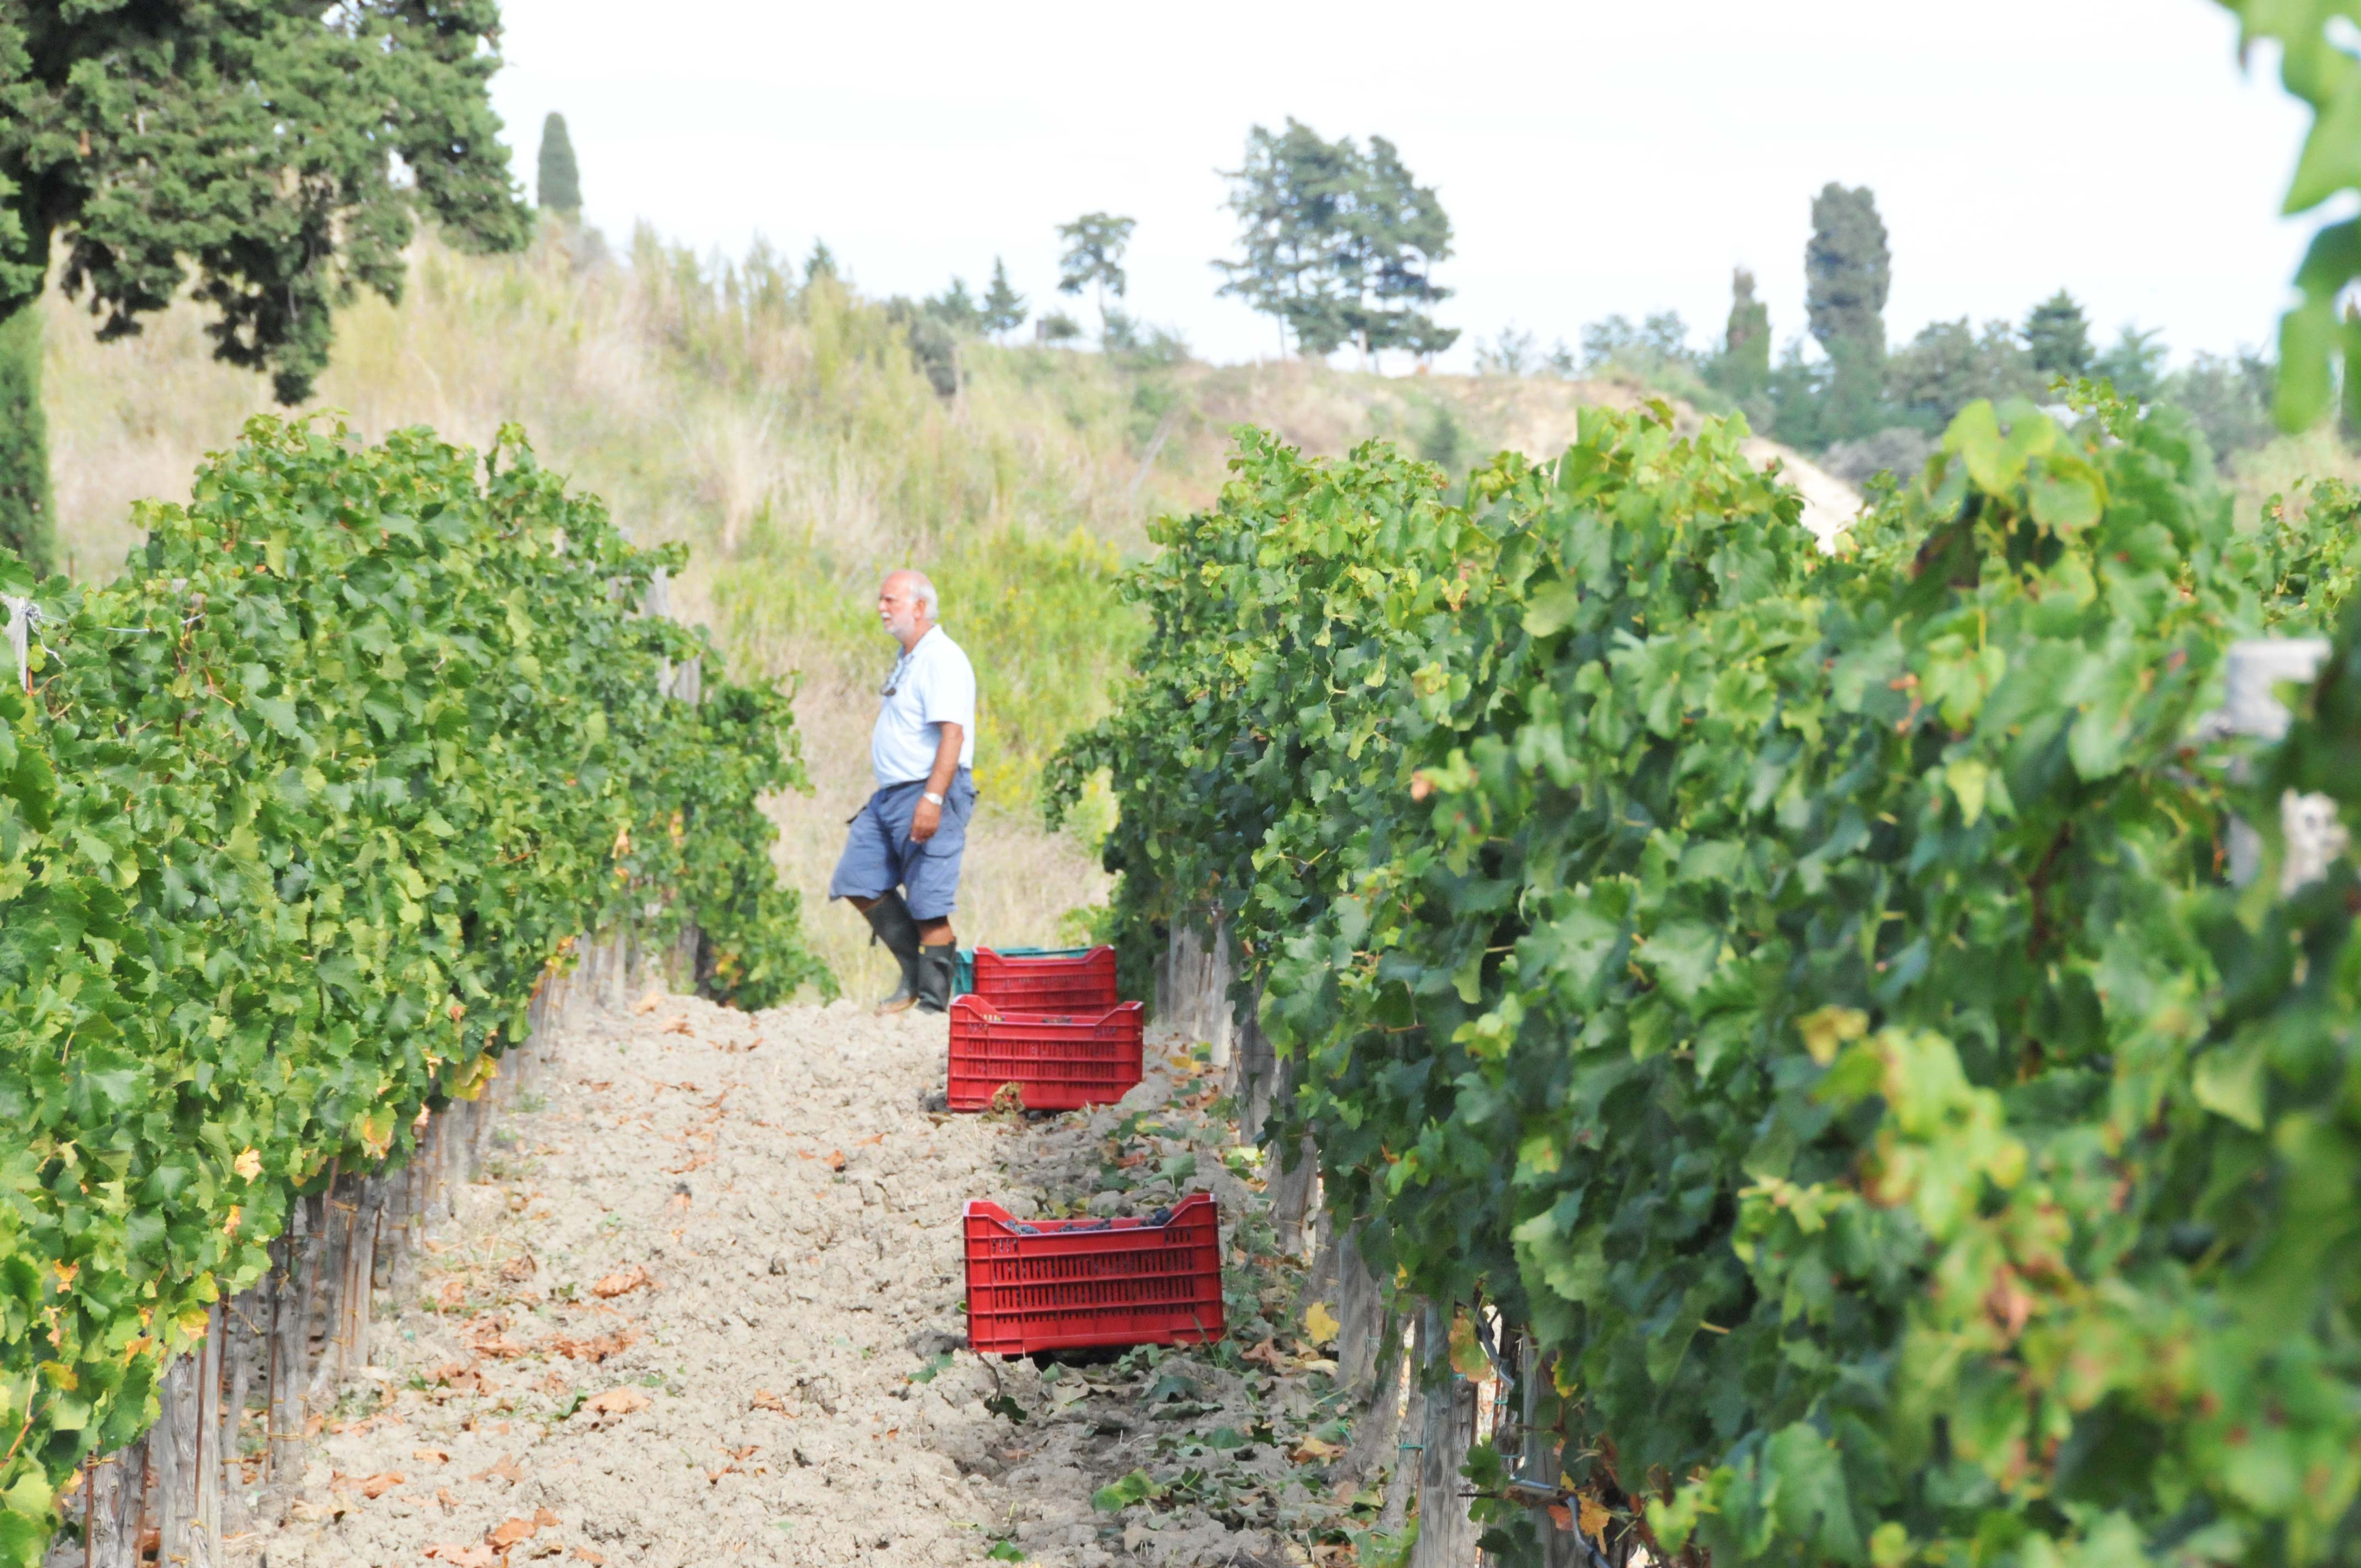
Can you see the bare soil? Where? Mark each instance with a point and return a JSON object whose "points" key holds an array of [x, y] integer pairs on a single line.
{"points": [[704, 1306]]}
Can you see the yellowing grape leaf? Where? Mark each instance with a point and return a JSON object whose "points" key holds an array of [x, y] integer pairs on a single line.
{"points": [[1468, 1357], [1320, 1324]]}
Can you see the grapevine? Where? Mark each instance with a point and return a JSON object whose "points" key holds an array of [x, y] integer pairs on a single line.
{"points": [[296, 815], [1803, 991]]}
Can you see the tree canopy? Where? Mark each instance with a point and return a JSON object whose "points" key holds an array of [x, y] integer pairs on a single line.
{"points": [[254, 140], [1339, 244]]}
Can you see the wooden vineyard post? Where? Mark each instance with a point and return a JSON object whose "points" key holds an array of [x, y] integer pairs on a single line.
{"points": [[240, 1342], [361, 1277], [334, 1257], [111, 1508], [205, 1447], [1446, 1536], [1402, 1485], [290, 1330], [172, 1452], [1377, 1432], [1361, 1316]]}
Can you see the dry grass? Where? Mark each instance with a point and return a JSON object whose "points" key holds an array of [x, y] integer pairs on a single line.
{"points": [[2287, 464], [726, 425], [784, 432]]}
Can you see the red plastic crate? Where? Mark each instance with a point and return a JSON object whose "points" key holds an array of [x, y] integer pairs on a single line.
{"points": [[1067, 1284], [1057, 1062], [1047, 982]]}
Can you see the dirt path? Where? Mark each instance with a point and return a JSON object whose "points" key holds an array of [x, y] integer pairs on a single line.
{"points": [[704, 1306]]}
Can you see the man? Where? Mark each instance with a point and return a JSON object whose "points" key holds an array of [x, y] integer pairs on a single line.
{"points": [[901, 859]]}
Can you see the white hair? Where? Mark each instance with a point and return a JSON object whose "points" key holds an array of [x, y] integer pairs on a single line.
{"points": [[922, 589]]}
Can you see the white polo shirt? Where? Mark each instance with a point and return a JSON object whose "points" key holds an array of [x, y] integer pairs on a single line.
{"points": [[932, 685]]}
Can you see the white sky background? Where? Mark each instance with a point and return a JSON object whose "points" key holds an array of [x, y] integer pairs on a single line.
{"points": [[1594, 158]]}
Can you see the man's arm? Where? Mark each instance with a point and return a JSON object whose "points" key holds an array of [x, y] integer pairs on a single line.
{"points": [[928, 815]]}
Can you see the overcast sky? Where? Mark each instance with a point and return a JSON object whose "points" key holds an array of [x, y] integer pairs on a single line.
{"points": [[1594, 158]]}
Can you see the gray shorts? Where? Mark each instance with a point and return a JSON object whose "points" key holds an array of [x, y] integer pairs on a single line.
{"points": [[879, 855]]}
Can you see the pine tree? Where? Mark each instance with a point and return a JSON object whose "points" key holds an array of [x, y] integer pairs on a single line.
{"points": [[1003, 307], [1093, 257], [2058, 336], [254, 143], [1338, 245], [559, 188], [956, 308], [2135, 363], [820, 263], [1746, 344]]}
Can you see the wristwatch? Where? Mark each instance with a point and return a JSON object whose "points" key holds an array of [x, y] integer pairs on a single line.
{"points": [[930, 796]]}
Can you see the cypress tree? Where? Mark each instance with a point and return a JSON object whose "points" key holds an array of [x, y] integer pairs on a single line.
{"points": [[1848, 270], [1746, 345], [559, 187], [26, 506]]}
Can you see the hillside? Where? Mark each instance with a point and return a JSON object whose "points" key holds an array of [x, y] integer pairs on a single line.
{"points": [[786, 435]]}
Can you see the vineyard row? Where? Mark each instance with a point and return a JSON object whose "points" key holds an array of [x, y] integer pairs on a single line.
{"points": [[1785, 1015], [299, 819]]}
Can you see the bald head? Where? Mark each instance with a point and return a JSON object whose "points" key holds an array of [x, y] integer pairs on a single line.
{"points": [[909, 605]]}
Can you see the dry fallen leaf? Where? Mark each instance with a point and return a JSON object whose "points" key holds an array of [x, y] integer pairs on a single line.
{"points": [[503, 1469], [1310, 1451], [1593, 1517], [521, 1266], [596, 1349], [452, 1296], [1267, 1353], [508, 1533], [836, 1160], [619, 1402], [431, 1455], [766, 1400], [748, 1452], [584, 1554], [679, 1025], [648, 1003], [378, 1485], [442, 1495], [622, 1283], [475, 1556]]}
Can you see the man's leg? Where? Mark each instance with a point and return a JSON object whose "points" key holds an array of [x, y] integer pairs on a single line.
{"points": [[933, 885], [865, 875]]}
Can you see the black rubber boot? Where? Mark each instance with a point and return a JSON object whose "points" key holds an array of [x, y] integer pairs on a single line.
{"points": [[938, 967], [890, 918]]}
